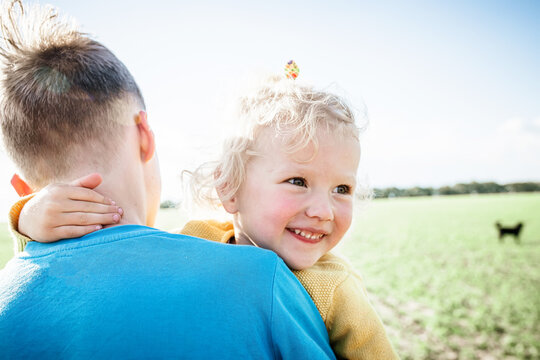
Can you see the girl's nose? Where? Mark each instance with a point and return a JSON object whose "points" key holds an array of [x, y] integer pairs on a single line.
{"points": [[321, 207]]}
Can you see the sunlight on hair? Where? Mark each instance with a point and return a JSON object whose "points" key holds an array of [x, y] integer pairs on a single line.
{"points": [[64, 96], [38, 27], [294, 110]]}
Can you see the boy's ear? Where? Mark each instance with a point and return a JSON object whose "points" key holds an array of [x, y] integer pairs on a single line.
{"points": [[146, 136], [20, 186]]}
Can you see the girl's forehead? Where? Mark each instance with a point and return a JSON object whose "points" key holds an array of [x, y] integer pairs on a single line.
{"points": [[330, 151]]}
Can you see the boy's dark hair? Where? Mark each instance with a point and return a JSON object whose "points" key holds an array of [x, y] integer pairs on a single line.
{"points": [[62, 93]]}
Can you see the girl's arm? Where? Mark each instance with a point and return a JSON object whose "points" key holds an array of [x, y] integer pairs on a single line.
{"points": [[61, 211], [354, 328]]}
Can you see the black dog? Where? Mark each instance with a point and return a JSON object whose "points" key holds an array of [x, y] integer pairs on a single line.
{"points": [[514, 231]]}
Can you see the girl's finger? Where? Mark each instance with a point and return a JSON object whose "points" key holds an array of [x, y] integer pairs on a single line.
{"points": [[89, 181], [83, 219], [71, 231], [71, 206], [83, 194]]}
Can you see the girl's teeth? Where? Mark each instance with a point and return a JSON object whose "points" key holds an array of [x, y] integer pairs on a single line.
{"points": [[307, 235]]}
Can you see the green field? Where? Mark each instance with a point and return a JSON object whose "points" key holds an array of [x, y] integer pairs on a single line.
{"points": [[6, 246], [438, 276]]}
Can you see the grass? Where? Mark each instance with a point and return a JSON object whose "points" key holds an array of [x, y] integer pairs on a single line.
{"points": [[442, 283], [6, 245]]}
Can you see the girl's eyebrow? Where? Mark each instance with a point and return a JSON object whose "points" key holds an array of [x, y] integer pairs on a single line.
{"points": [[295, 169], [351, 180]]}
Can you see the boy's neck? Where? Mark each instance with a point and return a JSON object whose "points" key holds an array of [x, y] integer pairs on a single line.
{"points": [[133, 184], [126, 196], [126, 187]]}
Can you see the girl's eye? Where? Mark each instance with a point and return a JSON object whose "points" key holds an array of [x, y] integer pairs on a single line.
{"points": [[297, 181], [342, 189]]}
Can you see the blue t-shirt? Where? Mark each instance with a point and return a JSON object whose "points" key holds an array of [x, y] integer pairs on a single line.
{"points": [[135, 292]]}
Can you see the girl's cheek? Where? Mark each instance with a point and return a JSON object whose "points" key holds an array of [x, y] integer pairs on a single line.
{"points": [[284, 206], [345, 214]]}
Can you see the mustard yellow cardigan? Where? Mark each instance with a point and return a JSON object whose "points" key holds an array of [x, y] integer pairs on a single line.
{"points": [[354, 329], [13, 222]]}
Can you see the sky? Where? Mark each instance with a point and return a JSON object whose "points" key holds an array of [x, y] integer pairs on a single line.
{"points": [[451, 89]]}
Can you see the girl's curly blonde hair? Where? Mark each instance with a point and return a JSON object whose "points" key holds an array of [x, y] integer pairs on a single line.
{"points": [[294, 110]]}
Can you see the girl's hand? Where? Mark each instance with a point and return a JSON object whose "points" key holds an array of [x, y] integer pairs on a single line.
{"points": [[62, 211]]}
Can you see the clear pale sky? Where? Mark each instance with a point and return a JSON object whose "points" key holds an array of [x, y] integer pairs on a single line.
{"points": [[452, 89]]}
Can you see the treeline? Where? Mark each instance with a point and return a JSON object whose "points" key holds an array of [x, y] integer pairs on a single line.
{"points": [[471, 188]]}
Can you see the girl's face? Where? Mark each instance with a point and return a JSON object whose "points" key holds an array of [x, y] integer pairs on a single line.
{"points": [[297, 205]]}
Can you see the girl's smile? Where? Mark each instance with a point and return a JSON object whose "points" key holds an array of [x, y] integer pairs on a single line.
{"points": [[311, 236]]}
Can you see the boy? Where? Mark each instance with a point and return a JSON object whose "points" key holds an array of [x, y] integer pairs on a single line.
{"points": [[70, 107]]}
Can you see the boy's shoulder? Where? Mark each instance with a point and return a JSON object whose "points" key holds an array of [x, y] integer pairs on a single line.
{"points": [[148, 252], [150, 245]]}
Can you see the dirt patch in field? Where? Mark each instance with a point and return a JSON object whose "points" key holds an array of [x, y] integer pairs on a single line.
{"points": [[408, 326]]}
